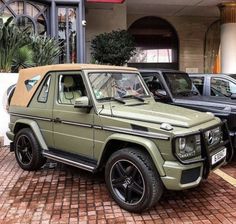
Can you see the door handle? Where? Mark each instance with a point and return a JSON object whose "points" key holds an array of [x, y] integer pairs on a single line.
{"points": [[57, 120]]}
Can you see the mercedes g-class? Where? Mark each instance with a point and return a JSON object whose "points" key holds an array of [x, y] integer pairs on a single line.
{"points": [[95, 117]]}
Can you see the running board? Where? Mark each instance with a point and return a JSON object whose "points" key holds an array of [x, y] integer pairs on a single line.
{"points": [[66, 159]]}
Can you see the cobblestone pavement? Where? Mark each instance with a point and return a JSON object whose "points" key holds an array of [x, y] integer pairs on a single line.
{"points": [[62, 194]]}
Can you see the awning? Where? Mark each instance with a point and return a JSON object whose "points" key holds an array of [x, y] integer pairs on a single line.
{"points": [[106, 1]]}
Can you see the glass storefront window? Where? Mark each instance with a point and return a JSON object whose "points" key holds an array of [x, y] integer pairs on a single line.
{"points": [[152, 56], [5, 15], [27, 14], [67, 34], [25, 23], [17, 7], [41, 25], [31, 10]]}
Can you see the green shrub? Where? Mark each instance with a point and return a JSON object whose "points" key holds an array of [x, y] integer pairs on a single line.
{"points": [[114, 48], [11, 39], [45, 49]]}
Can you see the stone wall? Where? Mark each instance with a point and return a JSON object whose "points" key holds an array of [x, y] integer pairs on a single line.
{"points": [[103, 18], [191, 32]]}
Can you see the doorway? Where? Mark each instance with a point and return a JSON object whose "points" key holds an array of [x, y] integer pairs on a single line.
{"points": [[156, 42]]}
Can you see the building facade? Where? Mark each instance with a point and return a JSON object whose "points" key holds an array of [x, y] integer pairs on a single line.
{"points": [[184, 34]]}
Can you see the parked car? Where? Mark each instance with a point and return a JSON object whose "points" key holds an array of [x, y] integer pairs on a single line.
{"points": [[94, 117], [176, 88], [215, 85]]}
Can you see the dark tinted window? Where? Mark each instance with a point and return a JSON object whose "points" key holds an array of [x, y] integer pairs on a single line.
{"points": [[179, 83], [199, 83]]}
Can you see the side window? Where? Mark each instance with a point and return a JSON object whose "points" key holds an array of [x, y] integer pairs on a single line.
{"points": [[71, 87], [153, 83], [43, 95], [222, 87], [30, 83], [199, 83]]}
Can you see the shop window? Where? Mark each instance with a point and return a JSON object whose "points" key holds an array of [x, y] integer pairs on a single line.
{"points": [[212, 46], [17, 7], [28, 15], [25, 24], [67, 34]]}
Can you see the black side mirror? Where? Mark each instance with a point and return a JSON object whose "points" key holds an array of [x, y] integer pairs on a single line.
{"points": [[233, 96]]}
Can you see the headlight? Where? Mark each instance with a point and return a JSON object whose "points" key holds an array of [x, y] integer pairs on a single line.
{"points": [[188, 147]]}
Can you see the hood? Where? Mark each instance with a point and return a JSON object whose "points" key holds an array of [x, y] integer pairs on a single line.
{"points": [[159, 113]]}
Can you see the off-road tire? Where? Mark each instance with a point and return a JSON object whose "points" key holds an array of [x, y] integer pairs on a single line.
{"points": [[33, 159], [146, 172]]}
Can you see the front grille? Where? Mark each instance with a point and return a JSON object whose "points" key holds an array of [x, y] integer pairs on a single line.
{"points": [[213, 137], [221, 138]]}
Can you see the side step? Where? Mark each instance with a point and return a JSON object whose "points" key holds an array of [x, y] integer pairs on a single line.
{"points": [[71, 159]]}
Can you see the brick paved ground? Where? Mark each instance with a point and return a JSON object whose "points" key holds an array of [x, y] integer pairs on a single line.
{"points": [[62, 194]]}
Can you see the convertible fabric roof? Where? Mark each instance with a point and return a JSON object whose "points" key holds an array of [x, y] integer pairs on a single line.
{"points": [[22, 96]]}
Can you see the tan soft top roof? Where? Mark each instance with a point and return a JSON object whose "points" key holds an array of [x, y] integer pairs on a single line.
{"points": [[22, 96]]}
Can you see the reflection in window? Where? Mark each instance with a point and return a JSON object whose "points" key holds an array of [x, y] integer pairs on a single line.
{"points": [[43, 96], [27, 15], [25, 23], [41, 25], [199, 83], [67, 34], [31, 10], [152, 56], [220, 87], [5, 15], [17, 7], [30, 83]]}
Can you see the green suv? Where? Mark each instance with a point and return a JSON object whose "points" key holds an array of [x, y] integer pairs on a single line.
{"points": [[95, 117]]}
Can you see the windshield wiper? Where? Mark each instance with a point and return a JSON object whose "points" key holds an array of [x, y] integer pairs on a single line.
{"points": [[134, 97], [112, 98]]}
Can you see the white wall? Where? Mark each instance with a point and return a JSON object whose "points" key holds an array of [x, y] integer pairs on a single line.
{"points": [[6, 80]]}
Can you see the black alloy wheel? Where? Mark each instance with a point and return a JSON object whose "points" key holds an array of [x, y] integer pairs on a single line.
{"points": [[28, 151], [127, 182], [24, 150], [133, 180]]}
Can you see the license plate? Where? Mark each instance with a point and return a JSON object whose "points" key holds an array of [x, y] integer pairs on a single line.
{"points": [[218, 156]]}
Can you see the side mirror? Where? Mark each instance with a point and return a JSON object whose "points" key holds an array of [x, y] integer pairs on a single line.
{"points": [[233, 96], [82, 102], [161, 93]]}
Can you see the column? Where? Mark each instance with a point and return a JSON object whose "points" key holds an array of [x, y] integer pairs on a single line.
{"points": [[228, 37]]}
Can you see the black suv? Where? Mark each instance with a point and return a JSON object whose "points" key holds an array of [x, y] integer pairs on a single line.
{"points": [[175, 87]]}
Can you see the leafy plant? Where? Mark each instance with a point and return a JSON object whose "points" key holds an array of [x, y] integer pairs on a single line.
{"points": [[45, 49], [115, 48], [11, 39], [23, 59]]}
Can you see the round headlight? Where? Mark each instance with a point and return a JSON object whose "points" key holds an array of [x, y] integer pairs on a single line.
{"points": [[182, 143]]}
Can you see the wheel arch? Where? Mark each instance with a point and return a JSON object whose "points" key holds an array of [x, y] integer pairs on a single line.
{"points": [[27, 123], [118, 141]]}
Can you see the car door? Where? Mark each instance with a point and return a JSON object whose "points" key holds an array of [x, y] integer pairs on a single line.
{"points": [[73, 133]]}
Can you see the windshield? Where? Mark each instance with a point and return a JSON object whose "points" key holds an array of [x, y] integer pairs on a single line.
{"points": [[180, 84], [108, 85]]}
